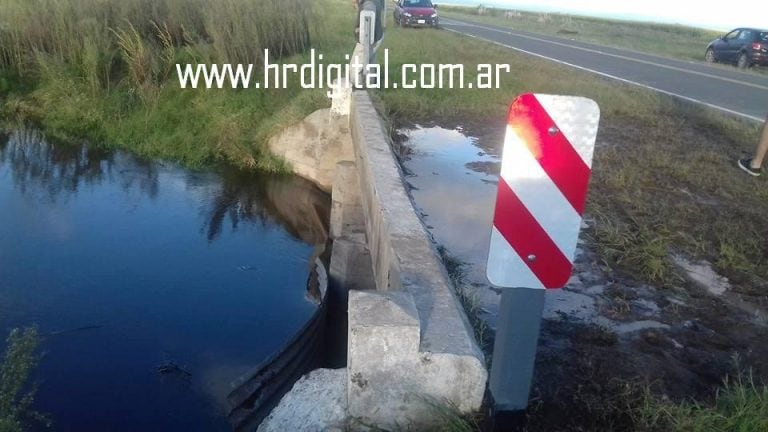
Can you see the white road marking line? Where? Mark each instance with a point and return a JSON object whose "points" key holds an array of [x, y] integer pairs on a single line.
{"points": [[704, 74], [459, 24], [614, 77]]}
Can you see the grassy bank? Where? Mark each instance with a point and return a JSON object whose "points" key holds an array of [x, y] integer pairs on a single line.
{"points": [[664, 184], [664, 179], [677, 41], [105, 71]]}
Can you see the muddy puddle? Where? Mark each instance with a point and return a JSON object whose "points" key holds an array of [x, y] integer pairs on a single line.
{"points": [[454, 188], [454, 178]]}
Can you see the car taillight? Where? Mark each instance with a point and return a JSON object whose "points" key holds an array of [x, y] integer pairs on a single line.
{"points": [[756, 46]]}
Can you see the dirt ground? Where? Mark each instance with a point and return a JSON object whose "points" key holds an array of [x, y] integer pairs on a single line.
{"points": [[591, 370], [616, 332]]}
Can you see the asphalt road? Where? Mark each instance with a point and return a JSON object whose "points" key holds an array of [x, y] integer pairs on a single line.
{"points": [[720, 87]]}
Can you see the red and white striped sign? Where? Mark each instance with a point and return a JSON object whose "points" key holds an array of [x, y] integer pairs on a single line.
{"points": [[545, 170]]}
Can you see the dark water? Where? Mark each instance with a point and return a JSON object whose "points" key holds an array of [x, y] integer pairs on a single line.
{"points": [[127, 265]]}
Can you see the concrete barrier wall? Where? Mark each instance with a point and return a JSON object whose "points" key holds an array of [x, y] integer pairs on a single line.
{"points": [[410, 343]]}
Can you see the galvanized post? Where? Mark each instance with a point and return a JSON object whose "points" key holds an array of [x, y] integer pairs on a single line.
{"points": [[514, 351]]}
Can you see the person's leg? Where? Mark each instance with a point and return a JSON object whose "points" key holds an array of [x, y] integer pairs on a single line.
{"points": [[753, 165], [762, 148]]}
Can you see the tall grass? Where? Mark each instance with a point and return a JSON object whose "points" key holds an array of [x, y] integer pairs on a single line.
{"points": [[100, 39], [104, 71]]}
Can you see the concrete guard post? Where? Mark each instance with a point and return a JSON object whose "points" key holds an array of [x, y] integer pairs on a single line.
{"points": [[341, 94], [367, 29]]}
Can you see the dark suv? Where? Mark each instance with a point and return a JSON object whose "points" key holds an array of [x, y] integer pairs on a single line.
{"points": [[744, 46]]}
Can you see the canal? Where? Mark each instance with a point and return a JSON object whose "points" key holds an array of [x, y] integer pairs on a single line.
{"points": [[154, 287]]}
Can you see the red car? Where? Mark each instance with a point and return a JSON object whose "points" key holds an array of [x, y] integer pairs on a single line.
{"points": [[415, 13]]}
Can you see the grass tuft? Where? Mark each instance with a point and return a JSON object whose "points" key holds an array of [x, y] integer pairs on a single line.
{"points": [[469, 299], [740, 405], [449, 417], [136, 55], [633, 245], [15, 369]]}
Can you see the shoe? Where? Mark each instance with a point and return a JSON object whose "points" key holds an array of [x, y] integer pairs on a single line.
{"points": [[746, 165]]}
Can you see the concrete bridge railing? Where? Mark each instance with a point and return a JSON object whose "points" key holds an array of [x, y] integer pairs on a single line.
{"points": [[410, 344]]}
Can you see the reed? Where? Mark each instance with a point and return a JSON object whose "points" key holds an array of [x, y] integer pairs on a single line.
{"points": [[100, 40]]}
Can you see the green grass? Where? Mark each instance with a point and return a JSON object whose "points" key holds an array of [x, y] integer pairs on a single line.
{"points": [[469, 300], [664, 175], [740, 405], [448, 416], [467, 105], [664, 182], [677, 41], [16, 397], [105, 72]]}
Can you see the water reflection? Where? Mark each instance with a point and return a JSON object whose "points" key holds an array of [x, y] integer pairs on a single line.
{"points": [[159, 266], [454, 181], [39, 167], [294, 203], [58, 169]]}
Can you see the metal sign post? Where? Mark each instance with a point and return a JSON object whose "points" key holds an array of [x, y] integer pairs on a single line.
{"points": [[514, 351], [545, 170]]}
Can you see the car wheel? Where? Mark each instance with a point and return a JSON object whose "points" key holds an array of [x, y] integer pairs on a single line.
{"points": [[710, 56], [743, 61]]}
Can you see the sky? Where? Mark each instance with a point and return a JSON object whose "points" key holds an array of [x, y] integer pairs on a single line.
{"points": [[714, 15]]}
